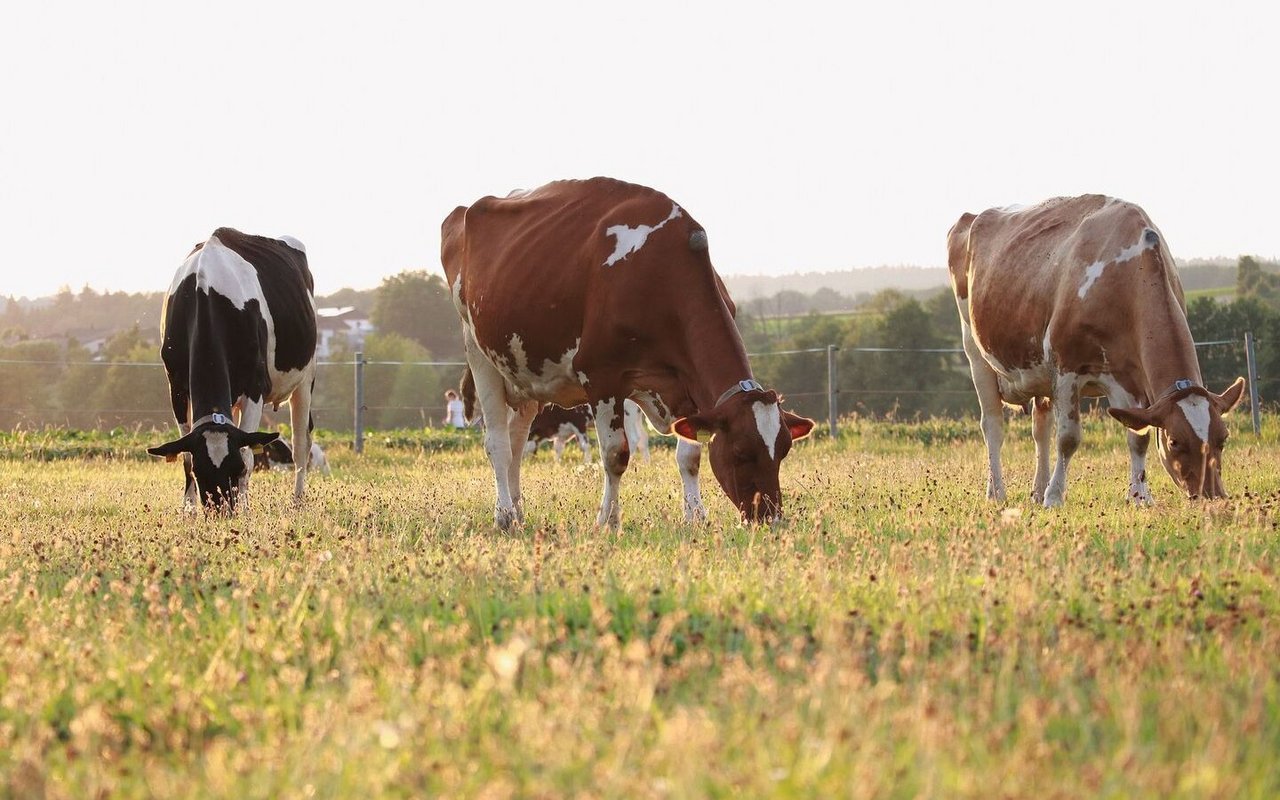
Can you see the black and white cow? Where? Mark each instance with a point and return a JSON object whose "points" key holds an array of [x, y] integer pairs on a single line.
{"points": [[278, 455], [561, 425], [238, 331]]}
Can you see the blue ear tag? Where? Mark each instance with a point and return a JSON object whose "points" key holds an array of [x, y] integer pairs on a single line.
{"points": [[1182, 383], [219, 419]]}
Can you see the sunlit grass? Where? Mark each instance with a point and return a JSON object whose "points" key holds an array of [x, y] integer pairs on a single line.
{"points": [[897, 636]]}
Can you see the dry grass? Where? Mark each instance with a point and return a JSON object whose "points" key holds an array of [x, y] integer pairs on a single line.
{"points": [[897, 637]]}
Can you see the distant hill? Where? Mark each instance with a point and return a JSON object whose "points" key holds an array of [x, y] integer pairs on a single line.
{"points": [[1197, 274], [849, 282]]}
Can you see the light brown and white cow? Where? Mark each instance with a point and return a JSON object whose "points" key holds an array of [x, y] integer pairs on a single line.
{"points": [[1079, 296], [597, 291]]}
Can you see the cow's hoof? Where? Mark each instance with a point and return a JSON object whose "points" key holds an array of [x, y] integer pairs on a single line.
{"points": [[504, 518], [1052, 500], [1140, 496], [696, 515]]}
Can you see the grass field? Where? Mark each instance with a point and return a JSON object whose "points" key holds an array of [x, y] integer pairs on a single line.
{"points": [[897, 636]]}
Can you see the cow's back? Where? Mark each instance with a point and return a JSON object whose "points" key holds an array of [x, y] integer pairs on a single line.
{"points": [[285, 280], [543, 266], [1028, 273], [239, 314]]}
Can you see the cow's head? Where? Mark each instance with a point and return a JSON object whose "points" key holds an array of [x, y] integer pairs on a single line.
{"points": [[1190, 434], [211, 454], [749, 436]]}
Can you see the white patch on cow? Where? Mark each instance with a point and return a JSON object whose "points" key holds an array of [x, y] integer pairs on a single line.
{"points": [[219, 448], [654, 409], [293, 242], [629, 239], [220, 269], [552, 380], [1117, 395], [582, 379], [769, 423], [521, 358], [1094, 270], [1196, 409], [604, 409]]}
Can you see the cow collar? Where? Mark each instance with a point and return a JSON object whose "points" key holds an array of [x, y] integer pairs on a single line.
{"points": [[749, 385], [215, 418], [1179, 385]]}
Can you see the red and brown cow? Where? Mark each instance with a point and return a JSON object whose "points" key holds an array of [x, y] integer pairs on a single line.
{"points": [[1079, 296], [597, 291]]}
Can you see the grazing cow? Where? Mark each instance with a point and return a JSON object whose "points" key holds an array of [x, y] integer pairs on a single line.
{"points": [[560, 425], [238, 331], [597, 291], [278, 455], [1080, 297]]}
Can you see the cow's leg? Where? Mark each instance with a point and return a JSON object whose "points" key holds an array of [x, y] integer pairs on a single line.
{"points": [[250, 419], [987, 385], [1066, 408], [1139, 492], [688, 460], [300, 428], [585, 445], [557, 447], [180, 398], [491, 393], [615, 455], [1041, 432], [518, 424], [637, 431]]}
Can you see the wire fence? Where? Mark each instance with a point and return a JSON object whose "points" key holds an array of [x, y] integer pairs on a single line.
{"points": [[359, 393]]}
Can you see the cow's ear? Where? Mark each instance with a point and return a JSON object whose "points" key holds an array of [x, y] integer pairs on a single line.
{"points": [[170, 451], [1135, 419], [257, 440], [1227, 400], [696, 428], [799, 426]]}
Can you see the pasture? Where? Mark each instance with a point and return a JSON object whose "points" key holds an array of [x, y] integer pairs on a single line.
{"points": [[896, 636]]}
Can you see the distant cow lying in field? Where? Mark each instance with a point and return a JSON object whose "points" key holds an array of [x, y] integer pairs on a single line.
{"points": [[1080, 296], [561, 425], [277, 455], [238, 331]]}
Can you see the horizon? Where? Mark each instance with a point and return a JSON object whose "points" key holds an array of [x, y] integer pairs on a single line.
{"points": [[1181, 264]]}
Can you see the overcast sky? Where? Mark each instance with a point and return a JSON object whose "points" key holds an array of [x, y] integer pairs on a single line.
{"points": [[802, 136]]}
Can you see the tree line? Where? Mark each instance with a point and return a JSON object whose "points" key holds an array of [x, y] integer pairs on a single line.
{"points": [[47, 381]]}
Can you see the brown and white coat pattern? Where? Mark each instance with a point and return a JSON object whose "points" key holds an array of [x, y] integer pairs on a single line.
{"points": [[1079, 297], [601, 291]]}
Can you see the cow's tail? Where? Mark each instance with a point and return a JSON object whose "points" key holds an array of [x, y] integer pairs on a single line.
{"points": [[959, 255], [467, 388]]}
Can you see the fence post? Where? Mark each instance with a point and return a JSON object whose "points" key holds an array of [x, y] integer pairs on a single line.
{"points": [[359, 409], [1251, 364], [832, 410]]}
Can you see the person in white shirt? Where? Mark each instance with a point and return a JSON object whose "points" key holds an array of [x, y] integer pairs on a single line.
{"points": [[453, 411]]}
